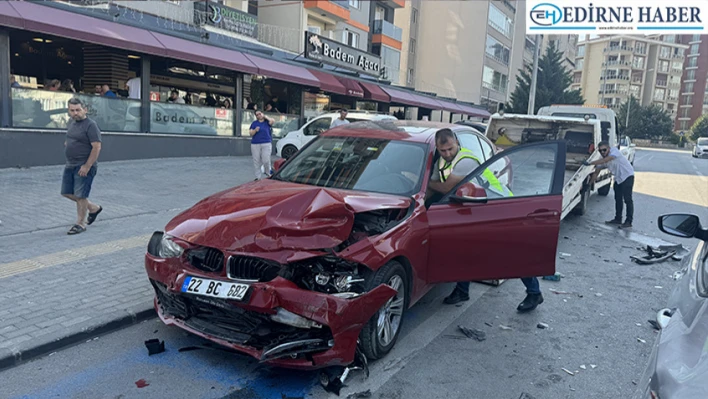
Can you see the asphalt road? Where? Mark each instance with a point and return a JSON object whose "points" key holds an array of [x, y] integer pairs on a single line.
{"points": [[594, 327]]}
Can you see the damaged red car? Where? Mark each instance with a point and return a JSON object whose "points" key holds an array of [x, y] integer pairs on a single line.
{"points": [[319, 263]]}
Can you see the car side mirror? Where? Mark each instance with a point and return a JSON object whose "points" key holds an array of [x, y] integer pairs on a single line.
{"points": [[632, 145], [469, 192], [278, 164], [680, 225]]}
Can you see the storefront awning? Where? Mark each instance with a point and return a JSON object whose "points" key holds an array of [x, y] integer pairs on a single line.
{"points": [[283, 71], [10, 17], [352, 87], [413, 99], [329, 82], [450, 106], [200, 53], [472, 111], [374, 92], [52, 21]]}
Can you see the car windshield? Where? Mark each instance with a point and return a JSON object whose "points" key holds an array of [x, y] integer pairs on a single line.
{"points": [[702, 141], [356, 163], [624, 142]]}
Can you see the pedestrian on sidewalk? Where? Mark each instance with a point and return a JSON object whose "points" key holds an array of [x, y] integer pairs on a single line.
{"points": [[261, 143], [82, 146], [623, 172]]}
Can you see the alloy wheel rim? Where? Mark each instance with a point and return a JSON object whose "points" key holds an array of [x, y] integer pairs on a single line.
{"points": [[390, 315]]}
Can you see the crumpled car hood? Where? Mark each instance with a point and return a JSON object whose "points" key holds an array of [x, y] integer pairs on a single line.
{"points": [[270, 215]]}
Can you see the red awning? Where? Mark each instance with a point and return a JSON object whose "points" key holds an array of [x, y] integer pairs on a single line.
{"points": [[353, 88], [283, 71], [53, 21], [472, 111], [373, 92], [413, 99], [450, 106], [200, 53], [329, 82]]}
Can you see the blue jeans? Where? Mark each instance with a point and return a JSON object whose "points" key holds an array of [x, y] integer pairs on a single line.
{"points": [[531, 283]]}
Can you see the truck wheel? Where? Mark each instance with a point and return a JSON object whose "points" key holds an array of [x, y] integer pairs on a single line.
{"points": [[381, 332], [288, 151], [582, 206], [604, 190]]}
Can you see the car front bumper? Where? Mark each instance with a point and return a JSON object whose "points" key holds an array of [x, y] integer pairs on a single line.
{"points": [[246, 326]]}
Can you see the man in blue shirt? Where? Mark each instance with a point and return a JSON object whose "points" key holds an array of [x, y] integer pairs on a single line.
{"points": [[261, 143], [107, 92]]}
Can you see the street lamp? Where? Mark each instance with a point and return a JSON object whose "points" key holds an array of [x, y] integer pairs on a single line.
{"points": [[534, 76]]}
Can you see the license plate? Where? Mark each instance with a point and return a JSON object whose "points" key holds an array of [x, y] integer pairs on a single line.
{"points": [[214, 288]]}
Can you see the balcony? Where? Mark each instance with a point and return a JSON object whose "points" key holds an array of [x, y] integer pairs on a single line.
{"points": [[640, 50], [617, 77], [661, 83], [637, 79], [617, 62], [394, 3], [613, 49], [388, 29], [335, 9]]}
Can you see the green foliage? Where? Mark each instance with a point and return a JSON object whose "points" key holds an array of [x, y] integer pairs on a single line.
{"points": [[552, 85], [700, 128], [651, 122]]}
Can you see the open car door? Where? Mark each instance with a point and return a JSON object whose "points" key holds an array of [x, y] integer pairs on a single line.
{"points": [[486, 229]]}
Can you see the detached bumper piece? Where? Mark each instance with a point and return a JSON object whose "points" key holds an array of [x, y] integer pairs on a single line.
{"points": [[218, 318]]}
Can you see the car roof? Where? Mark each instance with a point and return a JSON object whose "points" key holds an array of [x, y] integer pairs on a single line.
{"points": [[405, 130]]}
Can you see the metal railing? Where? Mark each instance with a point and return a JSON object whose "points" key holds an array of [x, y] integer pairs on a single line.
{"points": [[661, 83], [388, 29], [620, 48]]}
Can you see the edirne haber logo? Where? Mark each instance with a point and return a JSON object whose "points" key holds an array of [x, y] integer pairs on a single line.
{"points": [[616, 17]]}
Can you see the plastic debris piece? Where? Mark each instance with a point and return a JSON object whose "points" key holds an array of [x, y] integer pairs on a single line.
{"points": [[638, 324], [479, 335], [582, 366], [555, 277], [568, 371], [503, 327], [542, 326], [641, 340], [593, 366], [489, 324], [598, 294], [141, 383], [658, 287], [154, 346], [567, 255], [555, 291]]}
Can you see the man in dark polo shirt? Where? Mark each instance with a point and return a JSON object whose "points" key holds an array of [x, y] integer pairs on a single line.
{"points": [[83, 144]]}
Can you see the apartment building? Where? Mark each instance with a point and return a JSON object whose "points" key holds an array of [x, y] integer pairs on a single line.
{"points": [[610, 69], [693, 101], [566, 44]]}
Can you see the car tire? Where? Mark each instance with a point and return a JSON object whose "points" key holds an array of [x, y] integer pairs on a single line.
{"points": [[582, 206], [377, 337], [604, 190], [288, 151]]}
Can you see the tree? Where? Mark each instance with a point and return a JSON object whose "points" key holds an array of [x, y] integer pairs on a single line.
{"points": [[700, 128], [552, 84], [644, 122]]}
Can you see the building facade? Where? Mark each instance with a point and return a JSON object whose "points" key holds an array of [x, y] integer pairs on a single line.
{"points": [[566, 44], [611, 69], [693, 100]]}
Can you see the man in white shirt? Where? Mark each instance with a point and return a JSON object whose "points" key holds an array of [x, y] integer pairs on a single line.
{"points": [[342, 120], [623, 172], [134, 86]]}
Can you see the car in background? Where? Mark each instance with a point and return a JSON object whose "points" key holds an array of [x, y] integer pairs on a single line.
{"points": [[295, 140], [700, 150], [481, 127], [317, 265], [627, 148], [678, 365]]}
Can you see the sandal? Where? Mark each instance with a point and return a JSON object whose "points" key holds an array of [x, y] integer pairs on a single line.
{"points": [[76, 229], [92, 216]]}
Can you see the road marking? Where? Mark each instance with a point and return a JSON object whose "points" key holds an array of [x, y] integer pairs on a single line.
{"points": [[71, 255]]}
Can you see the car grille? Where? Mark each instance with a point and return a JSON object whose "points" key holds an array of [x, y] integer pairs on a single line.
{"points": [[221, 319], [206, 259], [254, 269]]}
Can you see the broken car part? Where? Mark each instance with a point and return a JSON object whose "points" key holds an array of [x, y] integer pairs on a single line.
{"points": [[154, 346], [479, 335]]}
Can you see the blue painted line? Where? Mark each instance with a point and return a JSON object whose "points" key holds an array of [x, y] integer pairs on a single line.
{"points": [[669, 28], [562, 28]]}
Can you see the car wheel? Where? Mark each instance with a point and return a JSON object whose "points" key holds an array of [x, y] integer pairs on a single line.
{"points": [[604, 190], [288, 151], [381, 332]]}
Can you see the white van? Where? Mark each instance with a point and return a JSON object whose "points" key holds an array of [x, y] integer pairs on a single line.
{"points": [[293, 141]]}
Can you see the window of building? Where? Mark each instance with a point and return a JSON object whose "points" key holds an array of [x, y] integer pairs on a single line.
{"points": [[579, 63], [670, 38], [634, 90], [664, 66], [315, 29], [640, 47], [350, 38], [696, 38], [688, 87], [683, 125], [581, 51], [500, 21], [354, 4], [685, 113], [659, 94], [638, 62], [494, 80], [497, 51], [379, 13], [693, 62], [415, 15], [705, 99], [665, 52], [577, 78], [410, 76], [690, 74], [673, 94], [694, 49], [391, 59], [412, 46], [687, 99]]}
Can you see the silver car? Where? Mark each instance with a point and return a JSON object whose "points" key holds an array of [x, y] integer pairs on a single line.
{"points": [[700, 150], [678, 366]]}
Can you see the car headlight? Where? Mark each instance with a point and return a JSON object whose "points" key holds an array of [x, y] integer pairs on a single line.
{"points": [[163, 246]]}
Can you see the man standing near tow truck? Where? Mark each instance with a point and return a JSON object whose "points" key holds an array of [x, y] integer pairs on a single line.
{"points": [[623, 172]]}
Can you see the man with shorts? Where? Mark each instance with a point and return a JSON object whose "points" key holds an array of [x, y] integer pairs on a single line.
{"points": [[82, 146]]}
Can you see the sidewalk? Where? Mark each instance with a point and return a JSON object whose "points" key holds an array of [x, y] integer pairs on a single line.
{"points": [[56, 289]]}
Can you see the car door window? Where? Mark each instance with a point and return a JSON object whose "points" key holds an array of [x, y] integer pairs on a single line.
{"points": [[318, 126], [527, 172], [486, 149], [471, 142]]}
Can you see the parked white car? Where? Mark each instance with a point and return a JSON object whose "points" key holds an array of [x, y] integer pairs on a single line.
{"points": [[627, 148], [295, 140], [700, 150]]}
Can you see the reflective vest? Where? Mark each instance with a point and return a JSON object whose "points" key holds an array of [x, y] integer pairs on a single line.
{"points": [[446, 168]]}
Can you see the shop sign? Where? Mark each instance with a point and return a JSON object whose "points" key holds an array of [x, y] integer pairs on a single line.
{"points": [[154, 96], [226, 18], [222, 113], [334, 53]]}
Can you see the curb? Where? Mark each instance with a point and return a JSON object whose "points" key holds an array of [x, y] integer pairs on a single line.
{"points": [[21, 356]]}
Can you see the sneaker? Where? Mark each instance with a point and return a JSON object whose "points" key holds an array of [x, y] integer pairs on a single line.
{"points": [[626, 225], [456, 297], [530, 302], [614, 221]]}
